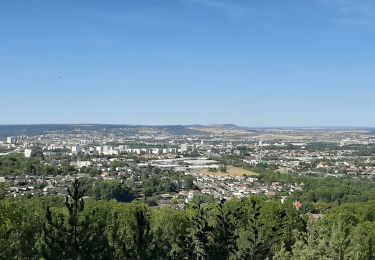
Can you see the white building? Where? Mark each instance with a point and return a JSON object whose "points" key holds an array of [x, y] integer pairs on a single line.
{"points": [[76, 149], [28, 153], [187, 147], [99, 149], [11, 140], [81, 164], [107, 150]]}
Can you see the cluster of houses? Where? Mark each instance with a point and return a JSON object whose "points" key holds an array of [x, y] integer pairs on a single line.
{"points": [[100, 150]]}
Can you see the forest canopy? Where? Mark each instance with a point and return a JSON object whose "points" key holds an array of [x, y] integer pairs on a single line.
{"points": [[251, 228]]}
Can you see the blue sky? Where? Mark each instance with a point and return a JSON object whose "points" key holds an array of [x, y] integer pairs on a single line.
{"points": [[253, 62]]}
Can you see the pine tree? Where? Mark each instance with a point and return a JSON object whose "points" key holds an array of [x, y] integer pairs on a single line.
{"points": [[201, 234], [277, 232], [282, 254], [311, 245], [225, 236], [256, 249], [75, 235], [363, 241], [339, 241], [143, 247], [116, 238]]}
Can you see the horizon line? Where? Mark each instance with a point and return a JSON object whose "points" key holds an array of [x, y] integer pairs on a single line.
{"points": [[194, 124]]}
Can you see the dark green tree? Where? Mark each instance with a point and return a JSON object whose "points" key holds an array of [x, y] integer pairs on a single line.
{"points": [[143, 246], [201, 235], [224, 234], [75, 235], [256, 245], [2, 190]]}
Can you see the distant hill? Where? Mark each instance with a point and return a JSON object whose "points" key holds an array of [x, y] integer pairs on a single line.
{"points": [[371, 130], [30, 130], [179, 130], [220, 126], [227, 126]]}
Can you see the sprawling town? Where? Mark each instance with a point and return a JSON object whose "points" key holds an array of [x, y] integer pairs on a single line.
{"points": [[184, 162], [187, 130]]}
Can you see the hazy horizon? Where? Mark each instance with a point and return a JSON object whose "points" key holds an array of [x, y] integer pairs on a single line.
{"points": [[202, 124]]}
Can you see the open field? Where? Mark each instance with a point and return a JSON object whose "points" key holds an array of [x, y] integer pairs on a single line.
{"points": [[232, 171]]}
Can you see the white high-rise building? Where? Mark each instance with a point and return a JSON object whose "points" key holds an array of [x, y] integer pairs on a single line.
{"points": [[99, 149], [107, 149], [11, 140], [77, 149]]}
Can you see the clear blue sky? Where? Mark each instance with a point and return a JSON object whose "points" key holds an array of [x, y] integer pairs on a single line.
{"points": [[250, 62]]}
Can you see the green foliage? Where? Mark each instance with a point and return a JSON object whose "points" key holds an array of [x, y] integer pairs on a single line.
{"points": [[223, 168], [189, 182], [347, 232], [156, 181], [2, 190], [20, 227], [119, 164], [237, 161], [255, 248], [251, 228], [363, 241], [319, 190], [74, 235], [107, 190], [17, 239], [171, 231], [202, 198], [200, 234], [18, 165], [225, 233], [282, 254]]}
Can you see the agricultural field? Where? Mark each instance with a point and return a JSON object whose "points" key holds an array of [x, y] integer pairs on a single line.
{"points": [[231, 171]]}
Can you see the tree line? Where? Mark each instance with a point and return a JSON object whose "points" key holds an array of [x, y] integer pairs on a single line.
{"points": [[251, 228]]}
